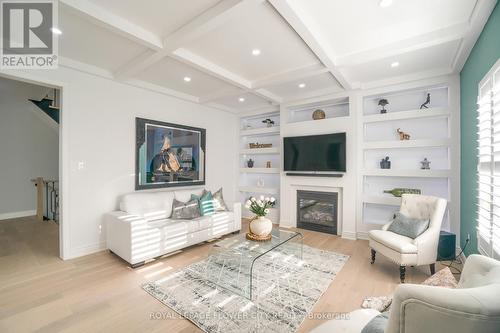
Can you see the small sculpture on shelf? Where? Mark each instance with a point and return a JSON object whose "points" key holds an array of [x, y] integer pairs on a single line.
{"points": [[318, 114], [261, 182], [427, 102], [383, 102], [385, 163], [403, 135], [250, 163], [425, 164], [268, 164], [269, 122], [397, 192]]}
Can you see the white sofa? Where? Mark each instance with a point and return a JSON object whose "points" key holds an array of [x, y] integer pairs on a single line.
{"points": [[142, 228], [473, 307]]}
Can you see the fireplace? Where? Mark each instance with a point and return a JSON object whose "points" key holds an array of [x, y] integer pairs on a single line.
{"points": [[317, 211]]}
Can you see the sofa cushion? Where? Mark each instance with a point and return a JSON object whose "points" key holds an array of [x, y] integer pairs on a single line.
{"points": [[151, 206], [217, 220], [219, 203], [170, 228], [205, 202], [185, 210], [407, 226], [401, 244]]}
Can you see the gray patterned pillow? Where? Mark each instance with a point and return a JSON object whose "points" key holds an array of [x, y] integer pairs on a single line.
{"points": [[407, 226], [219, 204], [185, 210]]}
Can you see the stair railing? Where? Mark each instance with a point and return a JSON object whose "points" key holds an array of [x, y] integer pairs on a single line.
{"points": [[47, 208]]}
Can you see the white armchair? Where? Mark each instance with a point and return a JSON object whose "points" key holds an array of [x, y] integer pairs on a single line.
{"points": [[474, 306], [406, 251]]}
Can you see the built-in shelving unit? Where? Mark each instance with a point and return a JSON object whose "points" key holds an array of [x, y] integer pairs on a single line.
{"points": [[430, 131], [260, 179]]}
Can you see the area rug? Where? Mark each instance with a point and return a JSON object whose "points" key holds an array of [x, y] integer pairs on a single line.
{"points": [[285, 287]]}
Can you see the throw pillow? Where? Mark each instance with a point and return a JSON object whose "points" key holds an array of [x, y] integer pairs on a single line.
{"points": [[219, 204], [377, 324], [185, 210], [205, 202], [443, 278], [407, 226], [379, 303]]}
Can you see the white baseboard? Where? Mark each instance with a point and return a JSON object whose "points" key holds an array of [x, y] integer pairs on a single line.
{"points": [[349, 235], [86, 250], [362, 235], [15, 215]]}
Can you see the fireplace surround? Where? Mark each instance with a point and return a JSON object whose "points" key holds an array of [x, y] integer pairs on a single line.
{"points": [[317, 211]]}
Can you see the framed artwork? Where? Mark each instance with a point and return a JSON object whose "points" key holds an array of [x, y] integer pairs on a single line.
{"points": [[168, 155]]}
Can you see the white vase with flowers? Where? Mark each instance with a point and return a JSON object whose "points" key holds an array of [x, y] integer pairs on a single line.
{"points": [[260, 227]]}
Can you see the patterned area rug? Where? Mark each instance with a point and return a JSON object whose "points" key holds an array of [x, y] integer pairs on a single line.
{"points": [[285, 290]]}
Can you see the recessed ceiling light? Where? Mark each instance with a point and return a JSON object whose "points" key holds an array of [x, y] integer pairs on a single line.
{"points": [[395, 64], [55, 31], [385, 3], [187, 79], [255, 52], [302, 85], [241, 99]]}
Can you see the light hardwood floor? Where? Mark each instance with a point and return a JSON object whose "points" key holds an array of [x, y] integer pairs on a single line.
{"points": [[100, 293]]}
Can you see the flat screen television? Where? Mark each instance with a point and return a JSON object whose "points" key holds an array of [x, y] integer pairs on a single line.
{"points": [[315, 153]]}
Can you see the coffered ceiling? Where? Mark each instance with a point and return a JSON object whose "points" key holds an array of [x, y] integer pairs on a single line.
{"points": [[249, 55]]}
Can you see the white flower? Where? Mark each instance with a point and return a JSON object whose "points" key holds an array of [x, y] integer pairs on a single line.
{"points": [[273, 199], [260, 203], [252, 199], [261, 198], [267, 199], [248, 203], [266, 210]]}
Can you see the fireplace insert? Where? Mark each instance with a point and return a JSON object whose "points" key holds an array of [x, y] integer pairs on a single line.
{"points": [[317, 211]]}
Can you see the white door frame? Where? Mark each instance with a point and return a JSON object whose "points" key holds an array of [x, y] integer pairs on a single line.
{"points": [[64, 161]]}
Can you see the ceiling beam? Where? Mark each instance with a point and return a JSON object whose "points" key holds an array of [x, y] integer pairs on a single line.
{"points": [[313, 40], [113, 22], [229, 92], [477, 20], [293, 75], [198, 26]]}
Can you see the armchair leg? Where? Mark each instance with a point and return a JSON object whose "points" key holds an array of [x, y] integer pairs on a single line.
{"points": [[402, 273], [433, 268], [373, 255]]}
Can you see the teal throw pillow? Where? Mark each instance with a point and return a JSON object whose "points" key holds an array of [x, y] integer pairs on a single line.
{"points": [[205, 202]]}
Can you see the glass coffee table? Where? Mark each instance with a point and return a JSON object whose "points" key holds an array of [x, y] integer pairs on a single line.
{"points": [[234, 262]]}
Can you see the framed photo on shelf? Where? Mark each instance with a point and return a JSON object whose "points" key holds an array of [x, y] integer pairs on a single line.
{"points": [[168, 155]]}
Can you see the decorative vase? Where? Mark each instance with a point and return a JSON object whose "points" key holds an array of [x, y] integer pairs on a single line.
{"points": [[318, 114], [260, 228]]}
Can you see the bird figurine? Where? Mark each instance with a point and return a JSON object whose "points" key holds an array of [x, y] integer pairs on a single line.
{"points": [[427, 102]]}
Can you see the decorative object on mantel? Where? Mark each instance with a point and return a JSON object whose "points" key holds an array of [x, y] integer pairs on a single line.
{"points": [[383, 102], [427, 102], [257, 145], [385, 163], [269, 122], [268, 164], [398, 191], [403, 135], [425, 164], [250, 163], [318, 114], [260, 227], [260, 182]]}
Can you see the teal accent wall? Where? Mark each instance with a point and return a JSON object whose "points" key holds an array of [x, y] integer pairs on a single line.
{"points": [[485, 53]]}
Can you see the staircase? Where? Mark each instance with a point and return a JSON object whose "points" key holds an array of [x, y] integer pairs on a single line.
{"points": [[46, 105]]}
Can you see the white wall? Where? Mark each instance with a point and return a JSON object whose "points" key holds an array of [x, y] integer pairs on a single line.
{"points": [[29, 147], [99, 129]]}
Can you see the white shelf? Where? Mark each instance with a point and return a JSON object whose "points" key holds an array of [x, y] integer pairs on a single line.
{"points": [[256, 189], [382, 200], [408, 173], [261, 131], [260, 170], [424, 113], [406, 144], [272, 150]]}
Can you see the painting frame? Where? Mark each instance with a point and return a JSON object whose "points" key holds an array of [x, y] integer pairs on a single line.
{"points": [[141, 155]]}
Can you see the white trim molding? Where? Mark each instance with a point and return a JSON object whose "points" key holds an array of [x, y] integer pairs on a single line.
{"points": [[14, 215]]}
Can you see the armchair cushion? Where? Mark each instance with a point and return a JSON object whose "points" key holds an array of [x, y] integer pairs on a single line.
{"points": [[407, 226], [398, 243]]}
